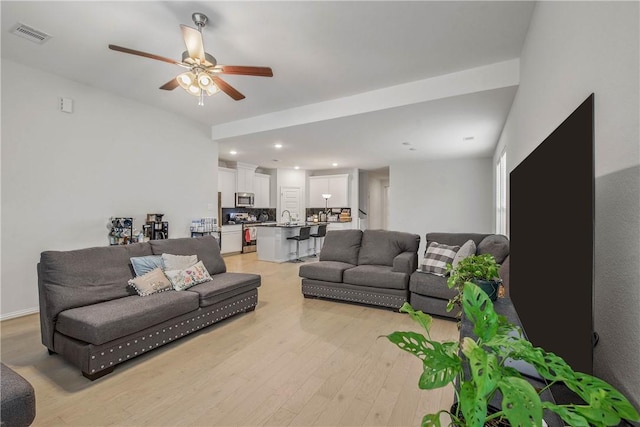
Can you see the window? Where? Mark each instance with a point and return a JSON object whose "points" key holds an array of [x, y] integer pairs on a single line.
{"points": [[501, 194]]}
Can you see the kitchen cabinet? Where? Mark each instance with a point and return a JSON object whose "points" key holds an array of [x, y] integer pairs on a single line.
{"points": [[245, 177], [336, 185], [262, 190], [231, 239], [227, 186]]}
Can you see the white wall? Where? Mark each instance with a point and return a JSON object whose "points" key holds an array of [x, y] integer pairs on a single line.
{"points": [[441, 195], [573, 49], [64, 175]]}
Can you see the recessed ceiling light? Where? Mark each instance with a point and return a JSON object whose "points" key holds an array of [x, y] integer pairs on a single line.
{"points": [[296, 167], [233, 152], [277, 145], [468, 138], [334, 164]]}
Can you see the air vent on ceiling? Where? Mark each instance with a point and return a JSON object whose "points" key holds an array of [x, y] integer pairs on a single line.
{"points": [[30, 33]]}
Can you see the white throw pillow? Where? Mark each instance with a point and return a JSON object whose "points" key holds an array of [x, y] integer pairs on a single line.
{"points": [[466, 250], [178, 262]]}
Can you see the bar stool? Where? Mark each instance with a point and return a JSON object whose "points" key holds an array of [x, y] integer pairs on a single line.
{"points": [[304, 235], [322, 231]]}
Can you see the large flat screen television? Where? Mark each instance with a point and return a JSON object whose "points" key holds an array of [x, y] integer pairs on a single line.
{"points": [[551, 230]]}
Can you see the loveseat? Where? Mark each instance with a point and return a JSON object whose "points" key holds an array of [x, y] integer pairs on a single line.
{"points": [[430, 293], [94, 319], [371, 267]]}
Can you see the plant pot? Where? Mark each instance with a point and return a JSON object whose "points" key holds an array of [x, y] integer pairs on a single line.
{"points": [[490, 287], [496, 422]]}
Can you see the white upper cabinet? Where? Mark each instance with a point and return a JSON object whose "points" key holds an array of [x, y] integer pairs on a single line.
{"points": [[336, 185], [262, 190], [245, 180], [227, 186]]}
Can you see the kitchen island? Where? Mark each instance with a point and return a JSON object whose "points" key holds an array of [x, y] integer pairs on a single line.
{"points": [[273, 245]]}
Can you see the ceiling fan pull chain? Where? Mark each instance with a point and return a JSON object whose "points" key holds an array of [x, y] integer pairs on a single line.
{"points": [[201, 98]]}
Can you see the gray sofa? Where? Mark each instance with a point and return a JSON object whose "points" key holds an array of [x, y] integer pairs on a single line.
{"points": [[18, 408], [430, 293], [370, 267], [92, 318]]}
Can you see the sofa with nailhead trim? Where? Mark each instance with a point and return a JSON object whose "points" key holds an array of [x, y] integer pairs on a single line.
{"points": [[91, 317], [371, 267]]}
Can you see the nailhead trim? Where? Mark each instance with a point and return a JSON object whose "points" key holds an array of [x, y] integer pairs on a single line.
{"points": [[354, 296], [107, 358]]}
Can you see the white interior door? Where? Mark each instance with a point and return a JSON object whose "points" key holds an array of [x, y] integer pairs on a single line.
{"points": [[290, 200]]}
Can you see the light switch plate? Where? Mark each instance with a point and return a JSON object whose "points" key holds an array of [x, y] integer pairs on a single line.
{"points": [[66, 105]]}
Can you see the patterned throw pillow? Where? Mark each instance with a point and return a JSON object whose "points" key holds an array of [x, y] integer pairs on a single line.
{"points": [[183, 279], [150, 283], [178, 262], [437, 257]]}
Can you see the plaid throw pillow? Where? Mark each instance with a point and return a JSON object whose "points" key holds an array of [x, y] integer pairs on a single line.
{"points": [[437, 257]]}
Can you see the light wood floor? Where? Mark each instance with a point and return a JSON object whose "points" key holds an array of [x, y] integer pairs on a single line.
{"points": [[293, 361]]}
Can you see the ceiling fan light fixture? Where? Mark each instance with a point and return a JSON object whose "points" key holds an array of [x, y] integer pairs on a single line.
{"points": [[185, 80], [212, 90]]}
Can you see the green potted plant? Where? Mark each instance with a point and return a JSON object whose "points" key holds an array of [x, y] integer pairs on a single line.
{"points": [[481, 270], [477, 367]]}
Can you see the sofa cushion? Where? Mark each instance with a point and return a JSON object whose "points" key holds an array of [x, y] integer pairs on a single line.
{"points": [[329, 271], [144, 264], [205, 247], [341, 246], [106, 321], [437, 257], [190, 276], [496, 245], [223, 286], [430, 285], [380, 247], [70, 279], [150, 283], [376, 276], [455, 239]]}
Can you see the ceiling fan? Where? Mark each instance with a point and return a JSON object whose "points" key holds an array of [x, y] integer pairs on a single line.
{"points": [[201, 77]]}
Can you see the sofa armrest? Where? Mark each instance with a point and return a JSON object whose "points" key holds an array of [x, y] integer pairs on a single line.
{"points": [[406, 262]]}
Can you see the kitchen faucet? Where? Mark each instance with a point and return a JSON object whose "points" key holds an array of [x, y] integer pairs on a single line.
{"points": [[288, 222]]}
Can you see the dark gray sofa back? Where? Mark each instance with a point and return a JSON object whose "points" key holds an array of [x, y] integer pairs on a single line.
{"points": [[341, 246], [494, 244], [70, 279], [380, 247], [206, 247]]}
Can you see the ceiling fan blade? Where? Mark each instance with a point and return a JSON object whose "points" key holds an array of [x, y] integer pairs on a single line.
{"points": [[170, 85], [144, 54], [227, 88], [193, 41], [245, 71]]}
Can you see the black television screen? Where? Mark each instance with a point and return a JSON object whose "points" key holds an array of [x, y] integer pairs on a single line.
{"points": [[552, 246]]}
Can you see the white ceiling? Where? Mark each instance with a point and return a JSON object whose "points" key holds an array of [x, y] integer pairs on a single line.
{"points": [[320, 52]]}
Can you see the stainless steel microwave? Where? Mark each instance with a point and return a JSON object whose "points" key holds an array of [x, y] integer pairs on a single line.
{"points": [[245, 200]]}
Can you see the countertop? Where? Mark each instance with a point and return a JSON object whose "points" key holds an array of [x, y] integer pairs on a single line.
{"points": [[284, 225]]}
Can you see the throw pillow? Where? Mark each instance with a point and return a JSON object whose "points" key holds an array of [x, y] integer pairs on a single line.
{"points": [[150, 283], [144, 264], [466, 250], [437, 257], [190, 276], [496, 245], [178, 262]]}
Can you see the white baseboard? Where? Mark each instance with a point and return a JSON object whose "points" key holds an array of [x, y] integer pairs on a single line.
{"points": [[19, 313]]}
